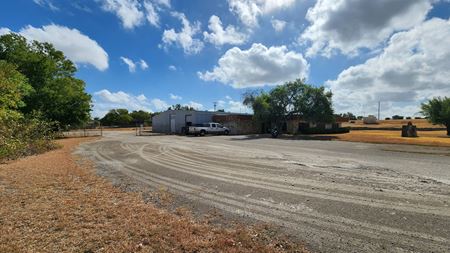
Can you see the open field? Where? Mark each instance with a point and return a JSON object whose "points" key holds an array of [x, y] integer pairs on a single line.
{"points": [[336, 196], [55, 203], [420, 123], [427, 138]]}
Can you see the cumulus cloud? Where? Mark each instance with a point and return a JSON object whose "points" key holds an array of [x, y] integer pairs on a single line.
{"points": [[175, 97], [278, 25], [220, 36], [165, 3], [257, 66], [46, 4], [184, 38], [248, 11], [152, 14], [105, 100], [131, 65], [143, 64], [78, 47], [172, 68], [195, 105], [4, 30], [349, 25], [159, 105], [133, 13], [128, 11], [412, 68], [237, 106]]}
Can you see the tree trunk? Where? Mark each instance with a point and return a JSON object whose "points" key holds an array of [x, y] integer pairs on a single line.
{"points": [[448, 130]]}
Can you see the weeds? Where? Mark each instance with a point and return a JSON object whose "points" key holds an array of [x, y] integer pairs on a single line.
{"points": [[20, 136]]}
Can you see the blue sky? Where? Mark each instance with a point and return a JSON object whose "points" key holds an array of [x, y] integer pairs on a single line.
{"points": [[202, 51]]}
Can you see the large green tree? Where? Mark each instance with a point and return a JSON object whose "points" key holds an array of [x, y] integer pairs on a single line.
{"points": [[13, 88], [57, 94], [141, 117], [117, 117], [291, 99], [437, 110]]}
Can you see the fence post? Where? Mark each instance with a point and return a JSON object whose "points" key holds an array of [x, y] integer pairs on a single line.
{"points": [[101, 130], [84, 132]]}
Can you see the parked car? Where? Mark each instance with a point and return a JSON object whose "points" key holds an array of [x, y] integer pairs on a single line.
{"points": [[208, 128]]}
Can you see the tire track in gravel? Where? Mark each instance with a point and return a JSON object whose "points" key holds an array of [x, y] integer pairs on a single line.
{"points": [[183, 158], [270, 212], [244, 178], [156, 158]]}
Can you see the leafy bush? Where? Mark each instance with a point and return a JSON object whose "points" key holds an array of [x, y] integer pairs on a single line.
{"points": [[22, 136], [398, 117]]}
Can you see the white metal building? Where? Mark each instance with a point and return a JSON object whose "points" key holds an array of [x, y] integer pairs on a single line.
{"points": [[172, 121]]}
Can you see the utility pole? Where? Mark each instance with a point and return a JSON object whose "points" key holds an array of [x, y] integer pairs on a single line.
{"points": [[379, 108], [215, 105]]}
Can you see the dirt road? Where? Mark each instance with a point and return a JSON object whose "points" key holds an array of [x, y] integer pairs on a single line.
{"points": [[336, 196]]}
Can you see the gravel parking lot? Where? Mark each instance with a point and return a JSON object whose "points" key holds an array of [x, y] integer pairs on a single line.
{"points": [[336, 196]]}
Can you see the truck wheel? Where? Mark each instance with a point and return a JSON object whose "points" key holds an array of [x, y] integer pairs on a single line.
{"points": [[227, 132], [202, 133]]}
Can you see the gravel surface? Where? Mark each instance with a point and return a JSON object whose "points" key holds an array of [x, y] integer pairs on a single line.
{"points": [[54, 202], [336, 196]]}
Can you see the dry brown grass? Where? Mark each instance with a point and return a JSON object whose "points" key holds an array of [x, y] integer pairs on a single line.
{"points": [[427, 138], [420, 123], [49, 203]]}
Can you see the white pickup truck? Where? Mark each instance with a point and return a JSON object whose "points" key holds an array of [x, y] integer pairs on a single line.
{"points": [[208, 128]]}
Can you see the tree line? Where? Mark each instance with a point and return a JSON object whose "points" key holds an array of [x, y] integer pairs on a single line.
{"points": [[123, 118], [39, 95]]}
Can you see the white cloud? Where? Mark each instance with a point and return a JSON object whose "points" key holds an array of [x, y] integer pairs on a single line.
{"points": [[47, 4], [228, 97], [175, 97], [104, 100], [195, 105], [128, 11], [152, 14], [232, 106], [220, 36], [172, 68], [185, 38], [278, 25], [257, 66], [221, 104], [133, 13], [165, 3], [349, 25], [159, 105], [4, 30], [237, 106], [131, 65], [143, 64], [78, 47], [413, 67], [249, 11]]}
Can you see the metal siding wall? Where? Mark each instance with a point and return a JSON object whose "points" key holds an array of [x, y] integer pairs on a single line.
{"points": [[203, 117], [161, 123]]}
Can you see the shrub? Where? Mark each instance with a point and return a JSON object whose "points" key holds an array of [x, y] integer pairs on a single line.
{"points": [[398, 117], [22, 136]]}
